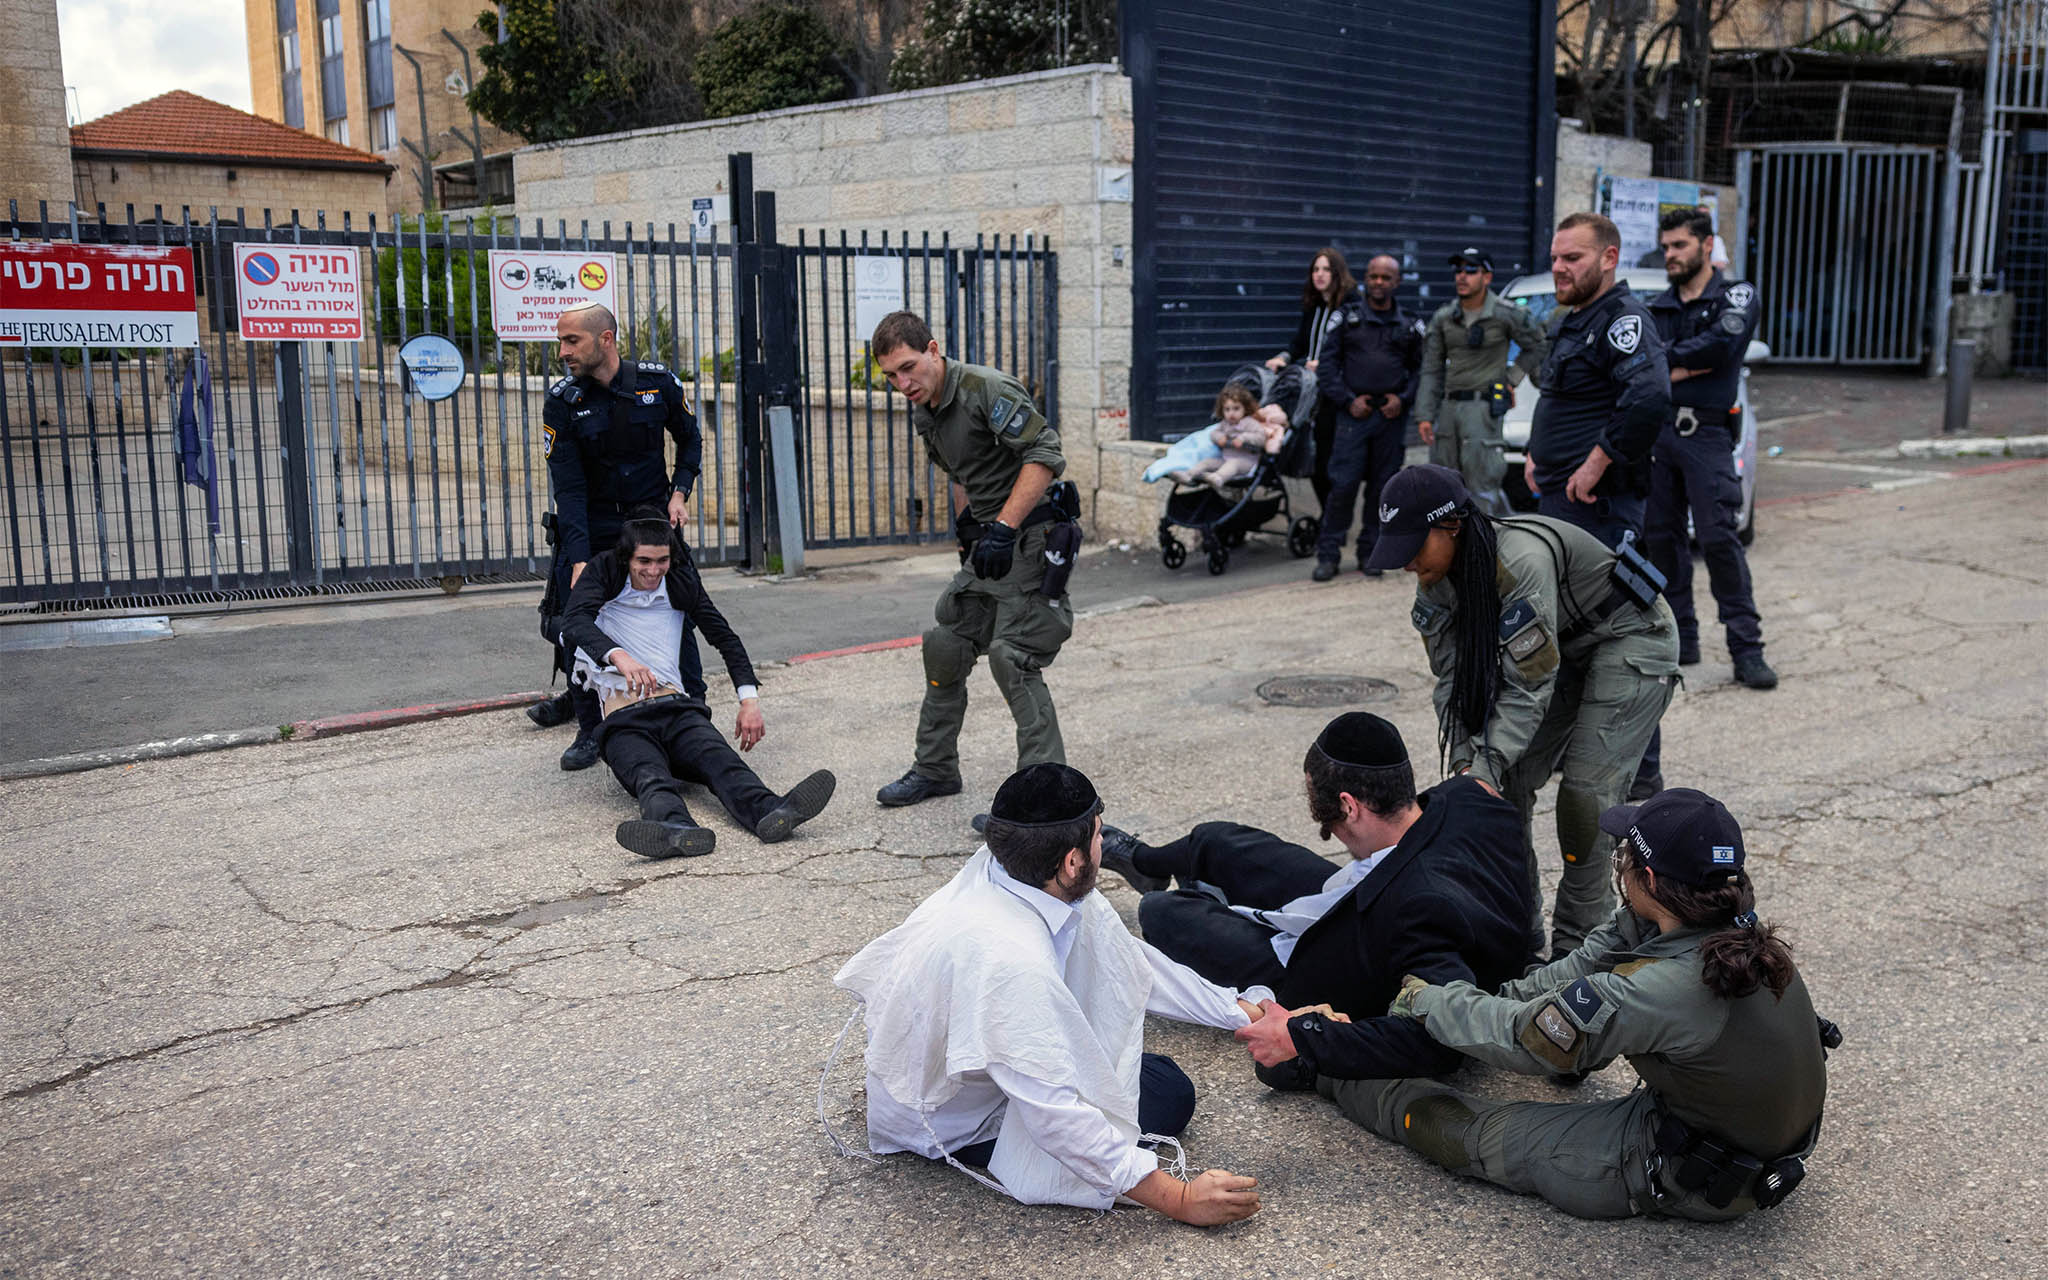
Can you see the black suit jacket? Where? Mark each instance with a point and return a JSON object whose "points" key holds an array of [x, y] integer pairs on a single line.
{"points": [[1450, 902], [605, 576]]}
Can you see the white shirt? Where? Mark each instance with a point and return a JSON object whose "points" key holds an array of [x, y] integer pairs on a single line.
{"points": [[647, 626], [1294, 919], [1057, 1119]]}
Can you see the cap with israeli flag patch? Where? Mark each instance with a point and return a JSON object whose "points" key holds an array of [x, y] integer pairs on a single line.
{"points": [[1681, 833]]}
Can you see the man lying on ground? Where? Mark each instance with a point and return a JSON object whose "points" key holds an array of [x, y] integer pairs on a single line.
{"points": [[628, 618], [1006, 1022]]}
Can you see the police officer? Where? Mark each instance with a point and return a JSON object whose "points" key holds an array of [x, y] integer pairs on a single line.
{"points": [[1544, 654], [1009, 599], [1686, 983], [1706, 323], [1605, 390], [1367, 367], [1466, 383], [603, 426]]}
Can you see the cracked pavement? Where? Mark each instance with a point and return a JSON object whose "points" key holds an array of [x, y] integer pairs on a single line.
{"points": [[396, 1004]]}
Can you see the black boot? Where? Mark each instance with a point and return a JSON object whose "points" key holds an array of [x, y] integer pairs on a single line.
{"points": [[913, 787], [583, 752], [806, 800]]}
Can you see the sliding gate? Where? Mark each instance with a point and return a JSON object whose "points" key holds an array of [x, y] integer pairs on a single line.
{"points": [[1849, 250]]}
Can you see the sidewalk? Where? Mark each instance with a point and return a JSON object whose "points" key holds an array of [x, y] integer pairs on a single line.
{"points": [[1817, 412]]}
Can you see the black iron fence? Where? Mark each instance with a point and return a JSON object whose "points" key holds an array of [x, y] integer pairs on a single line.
{"points": [[332, 475]]}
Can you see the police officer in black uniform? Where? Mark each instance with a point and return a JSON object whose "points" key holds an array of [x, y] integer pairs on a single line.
{"points": [[604, 425], [1706, 323], [1606, 391], [1368, 366]]}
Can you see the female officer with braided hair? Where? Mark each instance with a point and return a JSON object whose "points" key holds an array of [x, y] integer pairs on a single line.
{"points": [[1685, 982], [1545, 654]]}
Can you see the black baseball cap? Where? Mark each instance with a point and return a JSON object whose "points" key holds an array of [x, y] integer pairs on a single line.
{"points": [[1681, 833], [1414, 500], [1476, 257]]}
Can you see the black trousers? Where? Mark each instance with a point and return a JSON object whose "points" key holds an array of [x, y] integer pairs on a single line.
{"points": [[1364, 454], [1696, 474], [653, 749], [1166, 1102], [1251, 868]]}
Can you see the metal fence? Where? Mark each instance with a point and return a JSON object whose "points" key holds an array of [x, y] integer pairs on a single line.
{"points": [[333, 476], [1850, 251]]}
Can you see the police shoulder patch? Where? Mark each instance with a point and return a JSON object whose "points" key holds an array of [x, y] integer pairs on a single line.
{"points": [[1551, 1037], [1732, 321], [1428, 617], [1000, 413], [1515, 618], [1740, 296], [547, 448], [1626, 333], [1582, 1002]]}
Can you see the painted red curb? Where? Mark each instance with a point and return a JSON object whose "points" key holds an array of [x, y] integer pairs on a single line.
{"points": [[364, 721], [2009, 464], [877, 647]]}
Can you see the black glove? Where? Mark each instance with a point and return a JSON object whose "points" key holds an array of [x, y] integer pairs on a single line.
{"points": [[996, 552], [966, 531]]}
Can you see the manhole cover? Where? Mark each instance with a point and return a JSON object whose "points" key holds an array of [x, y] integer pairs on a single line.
{"points": [[1324, 691]]}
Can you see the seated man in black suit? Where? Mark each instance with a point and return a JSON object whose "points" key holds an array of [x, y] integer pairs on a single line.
{"points": [[629, 616], [1438, 885]]}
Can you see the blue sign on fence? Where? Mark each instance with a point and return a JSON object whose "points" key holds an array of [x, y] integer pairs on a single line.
{"points": [[435, 365]]}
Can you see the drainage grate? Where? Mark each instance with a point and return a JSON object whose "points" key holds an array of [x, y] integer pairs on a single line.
{"points": [[1325, 691], [184, 599]]}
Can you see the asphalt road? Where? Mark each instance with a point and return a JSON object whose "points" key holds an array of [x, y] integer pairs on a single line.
{"points": [[397, 1005]]}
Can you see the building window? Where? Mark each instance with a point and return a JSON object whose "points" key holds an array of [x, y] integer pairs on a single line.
{"points": [[377, 55], [337, 131], [383, 128]]}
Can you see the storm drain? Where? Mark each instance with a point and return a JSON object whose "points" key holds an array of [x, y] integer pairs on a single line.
{"points": [[1325, 691]]}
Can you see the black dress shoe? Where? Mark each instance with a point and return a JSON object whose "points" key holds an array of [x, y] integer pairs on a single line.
{"points": [[1752, 670], [652, 839], [913, 787], [554, 711], [806, 800], [581, 754], [1117, 847], [1372, 573], [1324, 571], [1688, 652]]}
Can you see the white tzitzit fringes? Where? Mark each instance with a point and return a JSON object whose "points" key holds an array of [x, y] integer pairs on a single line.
{"points": [[1179, 1167], [831, 1061]]}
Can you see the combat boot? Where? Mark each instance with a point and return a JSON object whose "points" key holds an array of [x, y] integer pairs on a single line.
{"points": [[581, 754], [914, 787], [1752, 670]]}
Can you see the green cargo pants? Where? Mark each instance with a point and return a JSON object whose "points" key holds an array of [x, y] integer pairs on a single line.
{"points": [[1468, 440], [1590, 1159], [1021, 631], [1602, 713]]}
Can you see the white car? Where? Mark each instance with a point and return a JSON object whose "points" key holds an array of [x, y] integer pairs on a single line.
{"points": [[1539, 295]]}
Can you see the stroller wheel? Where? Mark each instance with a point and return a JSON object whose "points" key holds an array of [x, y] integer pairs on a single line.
{"points": [[1301, 539], [1174, 554], [1219, 560]]}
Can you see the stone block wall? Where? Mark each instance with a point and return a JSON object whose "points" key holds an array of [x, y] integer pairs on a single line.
{"points": [[176, 184], [35, 137], [1013, 156]]}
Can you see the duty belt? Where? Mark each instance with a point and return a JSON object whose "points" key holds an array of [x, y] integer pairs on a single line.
{"points": [[1686, 419], [1718, 1172], [1465, 395]]}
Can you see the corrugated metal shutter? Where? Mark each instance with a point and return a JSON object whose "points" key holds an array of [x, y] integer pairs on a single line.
{"points": [[1264, 131]]}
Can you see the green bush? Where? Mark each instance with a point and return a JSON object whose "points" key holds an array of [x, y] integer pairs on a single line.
{"points": [[768, 58]]}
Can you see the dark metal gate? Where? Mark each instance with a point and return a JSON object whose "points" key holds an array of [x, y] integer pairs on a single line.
{"points": [[1849, 248], [333, 477]]}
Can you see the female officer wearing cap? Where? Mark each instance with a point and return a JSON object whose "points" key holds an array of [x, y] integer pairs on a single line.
{"points": [[1683, 981], [1544, 655]]}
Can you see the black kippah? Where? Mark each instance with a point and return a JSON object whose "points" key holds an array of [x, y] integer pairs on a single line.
{"points": [[1045, 795], [1363, 741]]}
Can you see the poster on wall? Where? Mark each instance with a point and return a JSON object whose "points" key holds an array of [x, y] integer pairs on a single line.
{"points": [[530, 290], [298, 293], [90, 295], [1633, 205], [877, 290]]}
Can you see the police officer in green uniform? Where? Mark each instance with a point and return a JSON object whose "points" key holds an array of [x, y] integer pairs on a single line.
{"points": [[1547, 648], [1467, 385], [1687, 984], [1009, 600]]}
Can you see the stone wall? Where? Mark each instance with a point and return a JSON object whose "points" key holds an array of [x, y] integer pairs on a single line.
{"points": [[175, 184], [1020, 155], [35, 137]]}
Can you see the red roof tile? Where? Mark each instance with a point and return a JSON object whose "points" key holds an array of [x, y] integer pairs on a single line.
{"points": [[184, 124]]}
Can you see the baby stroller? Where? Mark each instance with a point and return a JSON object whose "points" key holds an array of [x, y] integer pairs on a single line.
{"points": [[1222, 520]]}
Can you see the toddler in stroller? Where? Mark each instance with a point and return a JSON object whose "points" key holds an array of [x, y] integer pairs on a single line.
{"points": [[1265, 420], [1243, 431]]}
